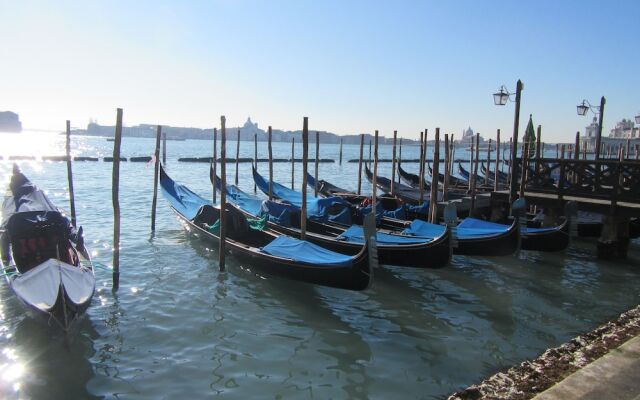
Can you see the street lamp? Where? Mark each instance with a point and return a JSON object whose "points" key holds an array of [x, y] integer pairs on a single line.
{"points": [[638, 119], [500, 99], [582, 109]]}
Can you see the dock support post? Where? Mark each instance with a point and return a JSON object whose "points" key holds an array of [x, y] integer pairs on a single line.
{"points": [[614, 238], [115, 188], [72, 201], [513, 190], [156, 170], [340, 151]]}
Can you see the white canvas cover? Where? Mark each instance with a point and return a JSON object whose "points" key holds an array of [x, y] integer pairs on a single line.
{"points": [[39, 286]]}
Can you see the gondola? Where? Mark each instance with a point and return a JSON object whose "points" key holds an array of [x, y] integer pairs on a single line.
{"points": [[271, 252], [428, 249], [503, 177], [504, 237], [467, 176], [453, 180], [42, 256], [405, 193]]}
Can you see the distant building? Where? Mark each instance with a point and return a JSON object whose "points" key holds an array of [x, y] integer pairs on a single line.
{"points": [[467, 135], [10, 122], [591, 131], [624, 130]]}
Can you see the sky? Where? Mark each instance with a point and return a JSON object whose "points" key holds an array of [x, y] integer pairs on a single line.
{"points": [[350, 66]]}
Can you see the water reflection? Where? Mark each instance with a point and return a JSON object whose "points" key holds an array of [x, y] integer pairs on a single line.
{"points": [[45, 363]]}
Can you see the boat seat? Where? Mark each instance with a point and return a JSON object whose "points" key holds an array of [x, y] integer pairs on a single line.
{"points": [[35, 240], [237, 225], [207, 214]]}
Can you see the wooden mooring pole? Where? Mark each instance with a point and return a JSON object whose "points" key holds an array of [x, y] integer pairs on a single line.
{"points": [[270, 165], [421, 169], [305, 159], [237, 156], [374, 189], [115, 197], [447, 162], [496, 183], [223, 194], [72, 200], [255, 159], [399, 157], [156, 171], [164, 149], [433, 199], [215, 162], [486, 174], [474, 175], [315, 185], [293, 163], [393, 164], [360, 164], [340, 151]]}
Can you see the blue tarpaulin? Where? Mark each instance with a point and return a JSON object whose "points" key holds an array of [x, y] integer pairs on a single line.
{"points": [[181, 198], [355, 234], [472, 227], [317, 207], [423, 229], [305, 252], [279, 213]]}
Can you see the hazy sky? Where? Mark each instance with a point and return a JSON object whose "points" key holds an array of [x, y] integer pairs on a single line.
{"points": [[350, 66]]}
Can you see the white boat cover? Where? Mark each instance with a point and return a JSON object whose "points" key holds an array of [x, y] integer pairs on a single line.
{"points": [[39, 286]]}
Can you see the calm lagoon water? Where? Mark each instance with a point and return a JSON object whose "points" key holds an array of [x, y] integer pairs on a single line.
{"points": [[178, 328]]}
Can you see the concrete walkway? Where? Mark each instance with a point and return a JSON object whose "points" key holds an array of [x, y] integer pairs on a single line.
{"points": [[616, 375]]}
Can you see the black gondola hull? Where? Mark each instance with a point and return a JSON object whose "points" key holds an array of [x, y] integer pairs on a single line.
{"points": [[358, 277], [503, 244]]}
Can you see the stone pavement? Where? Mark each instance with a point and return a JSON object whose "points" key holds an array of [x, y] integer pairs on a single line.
{"points": [[615, 376]]}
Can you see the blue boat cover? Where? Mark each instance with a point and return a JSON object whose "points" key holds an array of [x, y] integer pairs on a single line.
{"points": [[186, 202], [317, 207], [244, 201], [305, 252], [423, 229], [279, 213], [355, 234], [472, 227]]}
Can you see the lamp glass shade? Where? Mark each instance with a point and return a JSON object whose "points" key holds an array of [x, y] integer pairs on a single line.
{"points": [[500, 98], [638, 119], [582, 109]]}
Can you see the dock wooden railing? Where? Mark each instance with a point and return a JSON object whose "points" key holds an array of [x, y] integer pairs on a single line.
{"points": [[613, 180]]}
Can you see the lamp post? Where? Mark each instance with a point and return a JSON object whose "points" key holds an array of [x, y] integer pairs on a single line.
{"points": [[500, 99], [582, 109]]}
